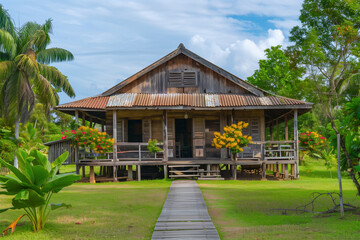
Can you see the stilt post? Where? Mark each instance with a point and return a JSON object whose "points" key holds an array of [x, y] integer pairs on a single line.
{"points": [[114, 146], [165, 146], [296, 144]]}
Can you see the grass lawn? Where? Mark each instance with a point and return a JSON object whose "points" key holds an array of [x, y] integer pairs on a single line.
{"points": [[241, 209], [125, 210]]}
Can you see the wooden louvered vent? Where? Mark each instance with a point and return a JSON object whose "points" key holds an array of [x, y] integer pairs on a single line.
{"points": [[182, 79]]}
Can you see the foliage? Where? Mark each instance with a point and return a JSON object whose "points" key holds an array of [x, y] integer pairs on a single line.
{"points": [[8, 145], [30, 140], [152, 146], [278, 75], [312, 141], [34, 183], [349, 128], [87, 137], [232, 138]]}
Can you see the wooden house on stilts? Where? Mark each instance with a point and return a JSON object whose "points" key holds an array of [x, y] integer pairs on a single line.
{"points": [[181, 100]]}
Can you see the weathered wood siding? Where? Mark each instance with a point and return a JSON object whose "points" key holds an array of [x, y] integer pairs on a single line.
{"points": [[156, 81]]}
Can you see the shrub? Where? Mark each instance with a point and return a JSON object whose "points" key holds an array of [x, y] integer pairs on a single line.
{"points": [[152, 146], [33, 184], [232, 138], [86, 137], [312, 141]]}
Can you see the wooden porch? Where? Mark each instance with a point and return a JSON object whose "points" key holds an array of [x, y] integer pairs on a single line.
{"points": [[276, 156]]}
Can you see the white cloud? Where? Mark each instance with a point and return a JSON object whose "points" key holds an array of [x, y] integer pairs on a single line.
{"points": [[241, 56]]}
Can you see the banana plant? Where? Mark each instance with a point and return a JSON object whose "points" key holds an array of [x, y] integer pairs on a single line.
{"points": [[33, 184]]}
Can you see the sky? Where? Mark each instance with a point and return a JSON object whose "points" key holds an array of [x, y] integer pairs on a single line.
{"points": [[113, 39]]}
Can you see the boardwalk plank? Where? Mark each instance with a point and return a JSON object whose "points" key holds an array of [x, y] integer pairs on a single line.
{"points": [[184, 215]]}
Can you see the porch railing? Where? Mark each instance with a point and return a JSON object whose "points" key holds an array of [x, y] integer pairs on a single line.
{"points": [[137, 151], [279, 150]]}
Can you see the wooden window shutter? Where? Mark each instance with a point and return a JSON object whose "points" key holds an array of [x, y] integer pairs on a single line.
{"points": [[171, 136], [146, 127], [189, 79], [255, 129], [120, 130], [156, 130], [199, 136], [126, 130], [175, 79], [182, 79]]}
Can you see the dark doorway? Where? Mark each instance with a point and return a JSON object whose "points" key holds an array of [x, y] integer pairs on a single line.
{"points": [[135, 130], [183, 139]]}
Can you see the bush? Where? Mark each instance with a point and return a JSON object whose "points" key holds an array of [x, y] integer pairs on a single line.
{"points": [[33, 184], [86, 137]]}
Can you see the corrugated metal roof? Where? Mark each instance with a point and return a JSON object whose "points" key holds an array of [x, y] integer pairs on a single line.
{"points": [[179, 99], [197, 100], [90, 102]]}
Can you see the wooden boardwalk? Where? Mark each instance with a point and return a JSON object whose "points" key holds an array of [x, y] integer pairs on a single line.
{"points": [[184, 214]]}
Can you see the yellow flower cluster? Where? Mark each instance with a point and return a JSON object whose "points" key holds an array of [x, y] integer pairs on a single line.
{"points": [[232, 138]]}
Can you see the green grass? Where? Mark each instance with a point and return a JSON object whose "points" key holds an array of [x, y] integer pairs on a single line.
{"points": [[126, 210], [241, 209]]}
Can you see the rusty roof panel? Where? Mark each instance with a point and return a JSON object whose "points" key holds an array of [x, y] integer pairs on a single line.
{"points": [[121, 100], [97, 103], [212, 100]]}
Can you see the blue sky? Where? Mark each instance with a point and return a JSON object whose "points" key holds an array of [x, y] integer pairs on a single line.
{"points": [[111, 40]]}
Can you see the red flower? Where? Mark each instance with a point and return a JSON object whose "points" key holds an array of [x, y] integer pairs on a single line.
{"points": [[305, 142], [84, 142]]}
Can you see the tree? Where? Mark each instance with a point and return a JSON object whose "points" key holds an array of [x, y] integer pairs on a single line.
{"points": [[278, 74], [25, 76], [327, 44]]}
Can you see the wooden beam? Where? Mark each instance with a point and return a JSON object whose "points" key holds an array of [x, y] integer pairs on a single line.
{"points": [[77, 116], [130, 172], [83, 118], [165, 139], [92, 175], [277, 130], [296, 144], [138, 167], [223, 153], [272, 131], [286, 128]]}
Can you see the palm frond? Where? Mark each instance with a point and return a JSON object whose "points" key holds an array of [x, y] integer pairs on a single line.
{"points": [[27, 65], [7, 42], [6, 22], [50, 55], [39, 40], [17, 96], [57, 79], [6, 69], [44, 91], [48, 26]]}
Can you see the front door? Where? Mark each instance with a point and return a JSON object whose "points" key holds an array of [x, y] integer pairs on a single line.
{"points": [[183, 138], [135, 131]]}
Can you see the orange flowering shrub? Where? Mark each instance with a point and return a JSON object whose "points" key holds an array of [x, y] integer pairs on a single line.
{"points": [[99, 142], [312, 141], [232, 138]]}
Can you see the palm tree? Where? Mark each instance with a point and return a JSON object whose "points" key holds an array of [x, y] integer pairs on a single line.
{"points": [[25, 77]]}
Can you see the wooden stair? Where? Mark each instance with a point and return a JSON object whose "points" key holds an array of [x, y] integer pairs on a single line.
{"points": [[184, 171]]}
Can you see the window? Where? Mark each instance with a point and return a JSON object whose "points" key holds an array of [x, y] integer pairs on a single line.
{"points": [[182, 79]]}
